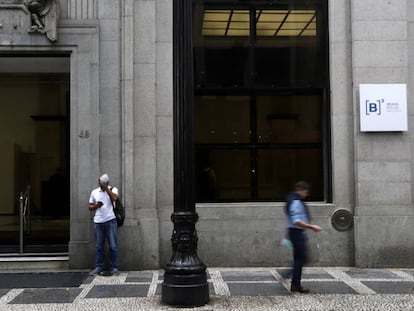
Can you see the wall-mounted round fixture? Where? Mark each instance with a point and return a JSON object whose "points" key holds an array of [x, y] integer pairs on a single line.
{"points": [[342, 220]]}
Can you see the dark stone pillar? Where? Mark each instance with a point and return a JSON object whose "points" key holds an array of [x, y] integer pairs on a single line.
{"points": [[185, 280]]}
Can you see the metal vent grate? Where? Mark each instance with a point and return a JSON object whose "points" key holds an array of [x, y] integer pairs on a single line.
{"points": [[342, 220]]}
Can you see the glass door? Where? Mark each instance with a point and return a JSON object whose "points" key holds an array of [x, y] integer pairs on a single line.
{"points": [[34, 139]]}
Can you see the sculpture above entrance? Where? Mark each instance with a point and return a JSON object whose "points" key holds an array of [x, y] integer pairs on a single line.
{"points": [[44, 15]]}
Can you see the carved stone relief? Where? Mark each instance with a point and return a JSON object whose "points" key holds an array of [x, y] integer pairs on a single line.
{"points": [[44, 15]]}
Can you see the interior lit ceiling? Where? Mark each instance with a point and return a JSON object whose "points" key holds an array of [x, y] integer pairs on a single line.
{"points": [[269, 23]]}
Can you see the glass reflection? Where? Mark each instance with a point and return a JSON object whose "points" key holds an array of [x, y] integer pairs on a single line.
{"points": [[222, 175], [222, 119], [260, 72], [289, 119], [278, 170]]}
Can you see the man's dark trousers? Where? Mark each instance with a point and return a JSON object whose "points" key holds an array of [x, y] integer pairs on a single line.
{"points": [[298, 239]]}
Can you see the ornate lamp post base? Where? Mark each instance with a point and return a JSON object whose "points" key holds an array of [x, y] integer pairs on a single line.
{"points": [[185, 279], [185, 289]]}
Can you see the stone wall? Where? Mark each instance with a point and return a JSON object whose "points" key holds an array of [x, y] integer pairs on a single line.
{"points": [[383, 163], [121, 91]]}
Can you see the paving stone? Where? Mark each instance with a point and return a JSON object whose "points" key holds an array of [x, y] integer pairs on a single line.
{"points": [[285, 273], [321, 287], [409, 272], [3, 292], [247, 276], [263, 294], [159, 290], [306, 274], [257, 289], [371, 274], [47, 295], [89, 280], [42, 280], [211, 288], [113, 291], [139, 277], [391, 287], [316, 274]]}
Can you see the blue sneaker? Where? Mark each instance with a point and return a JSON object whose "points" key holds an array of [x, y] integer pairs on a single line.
{"points": [[96, 271], [114, 272]]}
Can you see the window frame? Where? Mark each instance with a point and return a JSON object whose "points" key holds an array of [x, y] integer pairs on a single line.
{"points": [[253, 91]]}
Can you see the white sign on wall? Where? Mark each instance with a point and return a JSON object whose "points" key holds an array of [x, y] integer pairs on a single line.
{"points": [[383, 107]]}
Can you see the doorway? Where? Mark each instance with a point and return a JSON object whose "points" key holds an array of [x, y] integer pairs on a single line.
{"points": [[34, 140]]}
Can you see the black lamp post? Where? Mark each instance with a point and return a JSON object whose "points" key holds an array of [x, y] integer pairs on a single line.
{"points": [[185, 280]]}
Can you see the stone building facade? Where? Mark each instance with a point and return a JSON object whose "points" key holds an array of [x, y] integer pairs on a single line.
{"points": [[120, 56]]}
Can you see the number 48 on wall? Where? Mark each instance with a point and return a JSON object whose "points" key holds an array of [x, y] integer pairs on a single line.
{"points": [[84, 134]]}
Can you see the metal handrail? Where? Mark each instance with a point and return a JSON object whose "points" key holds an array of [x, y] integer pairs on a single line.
{"points": [[26, 211], [25, 217], [21, 219]]}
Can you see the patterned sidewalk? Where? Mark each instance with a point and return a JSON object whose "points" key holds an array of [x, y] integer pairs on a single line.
{"points": [[230, 289]]}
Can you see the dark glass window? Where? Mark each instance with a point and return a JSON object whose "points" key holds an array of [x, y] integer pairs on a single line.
{"points": [[261, 110], [222, 119]]}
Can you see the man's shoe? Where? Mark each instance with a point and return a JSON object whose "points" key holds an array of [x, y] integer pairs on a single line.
{"points": [[299, 289], [115, 272], [96, 271]]}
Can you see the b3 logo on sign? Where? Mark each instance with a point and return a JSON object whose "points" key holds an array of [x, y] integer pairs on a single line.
{"points": [[373, 107]]}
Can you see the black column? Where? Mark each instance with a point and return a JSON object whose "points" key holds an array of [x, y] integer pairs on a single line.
{"points": [[185, 280]]}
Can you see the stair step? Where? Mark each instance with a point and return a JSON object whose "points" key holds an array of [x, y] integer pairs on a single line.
{"points": [[34, 263]]}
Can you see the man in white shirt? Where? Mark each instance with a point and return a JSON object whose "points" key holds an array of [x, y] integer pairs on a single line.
{"points": [[105, 225]]}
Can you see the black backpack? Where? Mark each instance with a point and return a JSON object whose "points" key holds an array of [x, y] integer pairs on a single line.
{"points": [[119, 211]]}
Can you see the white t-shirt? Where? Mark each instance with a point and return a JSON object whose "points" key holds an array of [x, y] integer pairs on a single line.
{"points": [[106, 211]]}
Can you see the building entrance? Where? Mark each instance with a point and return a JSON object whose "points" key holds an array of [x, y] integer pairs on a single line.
{"points": [[34, 157]]}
